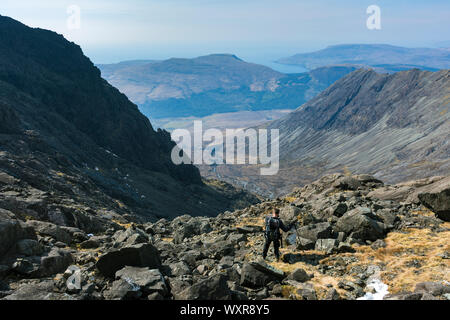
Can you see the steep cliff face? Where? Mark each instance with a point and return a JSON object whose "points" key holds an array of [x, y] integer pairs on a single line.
{"points": [[60, 81], [66, 132]]}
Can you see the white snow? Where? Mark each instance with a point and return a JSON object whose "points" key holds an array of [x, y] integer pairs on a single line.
{"points": [[380, 288]]}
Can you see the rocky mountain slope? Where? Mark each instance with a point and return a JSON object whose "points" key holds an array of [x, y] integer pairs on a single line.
{"points": [[355, 238], [216, 83], [396, 127], [381, 57], [75, 151]]}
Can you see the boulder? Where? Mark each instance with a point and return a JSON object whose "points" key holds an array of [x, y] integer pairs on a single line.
{"points": [[332, 294], [28, 247], [289, 213], [347, 183], [56, 261], [11, 231], [299, 275], [340, 209], [316, 231], [306, 291], [304, 244], [258, 274], [50, 229], [26, 267], [213, 288], [179, 268], [130, 236], [140, 255], [122, 290], [327, 245], [149, 280], [360, 224], [433, 288], [437, 199]]}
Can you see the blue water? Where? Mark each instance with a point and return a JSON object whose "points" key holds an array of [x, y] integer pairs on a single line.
{"points": [[285, 68]]}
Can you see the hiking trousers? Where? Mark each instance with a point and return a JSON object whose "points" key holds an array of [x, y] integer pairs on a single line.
{"points": [[276, 247]]}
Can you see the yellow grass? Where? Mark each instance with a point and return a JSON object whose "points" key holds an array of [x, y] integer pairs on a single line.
{"points": [[290, 199], [125, 225]]}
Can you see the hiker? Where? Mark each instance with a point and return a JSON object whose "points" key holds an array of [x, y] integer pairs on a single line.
{"points": [[273, 225]]}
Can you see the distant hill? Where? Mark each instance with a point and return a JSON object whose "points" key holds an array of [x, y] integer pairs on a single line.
{"points": [[395, 126], [217, 83], [381, 57]]}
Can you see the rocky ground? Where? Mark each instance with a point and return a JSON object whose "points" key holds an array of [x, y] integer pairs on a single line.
{"points": [[355, 238]]}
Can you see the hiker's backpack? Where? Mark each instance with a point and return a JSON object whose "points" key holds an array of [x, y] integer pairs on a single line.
{"points": [[272, 226]]}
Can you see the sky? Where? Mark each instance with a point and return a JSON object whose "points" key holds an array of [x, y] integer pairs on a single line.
{"points": [[258, 31]]}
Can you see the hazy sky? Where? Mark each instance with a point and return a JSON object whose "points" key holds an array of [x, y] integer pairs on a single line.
{"points": [[255, 30]]}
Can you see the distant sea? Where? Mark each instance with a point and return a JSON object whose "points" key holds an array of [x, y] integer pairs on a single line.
{"points": [[284, 68]]}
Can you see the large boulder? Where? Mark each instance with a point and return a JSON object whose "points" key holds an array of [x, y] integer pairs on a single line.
{"points": [[11, 231], [149, 280], [122, 290], [29, 247], [327, 245], [299, 275], [316, 231], [258, 274], [437, 198], [289, 213], [130, 236], [52, 230], [213, 288], [361, 224], [56, 261], [140, 255]]}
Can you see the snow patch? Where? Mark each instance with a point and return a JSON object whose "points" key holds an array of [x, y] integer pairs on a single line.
{"points": [[380, 289]]}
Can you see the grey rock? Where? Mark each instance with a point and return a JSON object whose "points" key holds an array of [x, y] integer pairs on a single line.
{"points": [[361, 224], [52, 230], [327, 245], [11, 231], [213, 288], [437, 198], [316, 231], [304, 244], [122, 290], [56, 261], [434, 288], [29, 247], [179, 268], [149, 280], [332, 294], [299, 275], [140, 255], [378, 244]]}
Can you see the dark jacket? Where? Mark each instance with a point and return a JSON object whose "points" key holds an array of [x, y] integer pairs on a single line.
{"points": [[281, 225]]}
